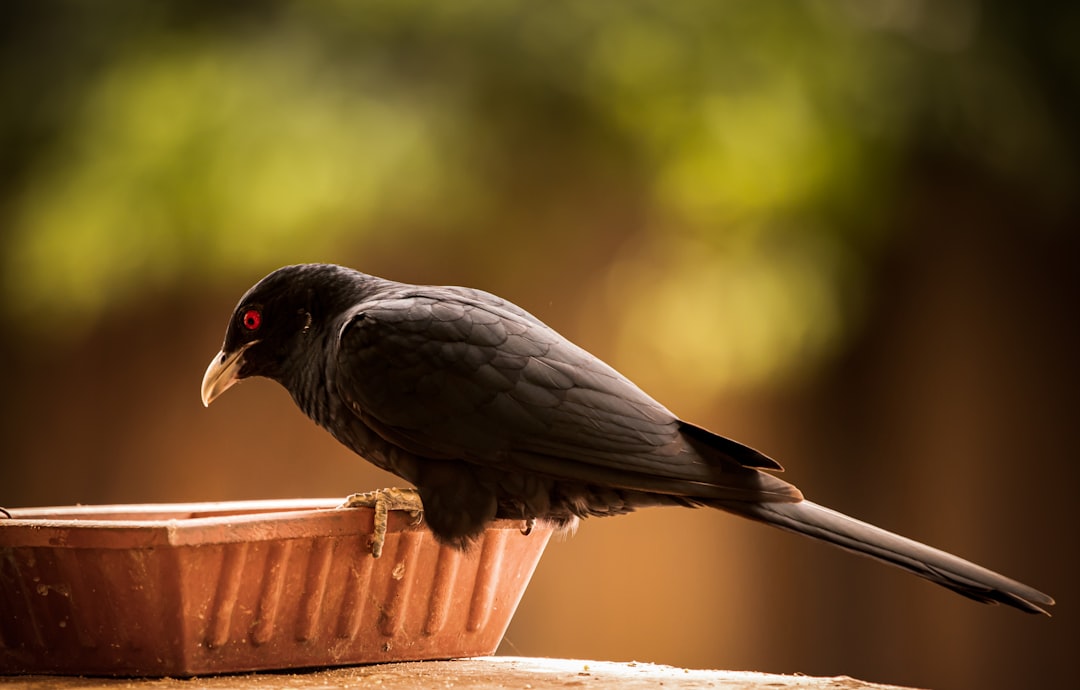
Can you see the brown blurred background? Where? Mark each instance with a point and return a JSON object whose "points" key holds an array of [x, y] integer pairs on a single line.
{"points": [[842, 232]]}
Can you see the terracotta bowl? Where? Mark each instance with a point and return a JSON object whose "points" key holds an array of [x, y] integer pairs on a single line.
{"points": [[187, 589]]}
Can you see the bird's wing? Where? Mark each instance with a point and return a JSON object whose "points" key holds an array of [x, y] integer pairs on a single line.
{"points": [[457, 373]]}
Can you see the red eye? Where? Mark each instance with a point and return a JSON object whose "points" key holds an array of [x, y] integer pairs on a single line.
{"points": [[252, 319]]}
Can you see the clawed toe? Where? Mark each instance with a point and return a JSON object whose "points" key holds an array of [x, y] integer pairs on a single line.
{"points": [[527, 528], [383, 501]]}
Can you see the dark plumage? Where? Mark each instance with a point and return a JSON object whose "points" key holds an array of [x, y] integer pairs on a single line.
{"points": [[492, 414]]}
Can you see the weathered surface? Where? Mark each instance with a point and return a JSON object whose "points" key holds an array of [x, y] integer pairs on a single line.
{"points": [[490, 673], [243, 586]]}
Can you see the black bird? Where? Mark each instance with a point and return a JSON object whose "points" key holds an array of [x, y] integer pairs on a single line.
{"points": [[492, 414]]}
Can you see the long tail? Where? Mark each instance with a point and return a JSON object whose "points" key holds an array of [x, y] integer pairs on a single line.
{"points": [[935, 565]]}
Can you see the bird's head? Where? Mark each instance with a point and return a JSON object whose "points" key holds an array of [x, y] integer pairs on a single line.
{"points": [[274, 323]]}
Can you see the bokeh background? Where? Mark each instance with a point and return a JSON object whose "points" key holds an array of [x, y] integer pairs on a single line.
{"points": [[843, 232]]}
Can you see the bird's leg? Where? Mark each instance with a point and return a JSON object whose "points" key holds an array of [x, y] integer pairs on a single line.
{"points": [[383, 501]]}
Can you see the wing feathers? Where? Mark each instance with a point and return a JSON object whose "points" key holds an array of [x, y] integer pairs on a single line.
{"points": [[449, 373]]}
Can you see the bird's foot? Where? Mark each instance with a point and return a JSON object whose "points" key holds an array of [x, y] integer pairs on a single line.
{"points": [[383, 501], [527, 528]]}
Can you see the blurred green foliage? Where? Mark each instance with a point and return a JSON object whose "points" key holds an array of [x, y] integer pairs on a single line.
{"points": [[152, 145]]}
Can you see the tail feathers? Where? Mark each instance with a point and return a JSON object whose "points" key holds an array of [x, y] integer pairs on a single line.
{"points": [[943, 568]]}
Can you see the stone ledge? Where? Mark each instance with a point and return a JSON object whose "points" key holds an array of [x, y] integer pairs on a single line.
{"points": [[485, 673]]}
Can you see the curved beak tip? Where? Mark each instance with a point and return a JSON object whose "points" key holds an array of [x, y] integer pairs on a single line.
{"points": [[223, 372]]}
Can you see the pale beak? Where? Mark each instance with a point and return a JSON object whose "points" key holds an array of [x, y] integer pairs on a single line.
{"points": [[222, 373]]}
